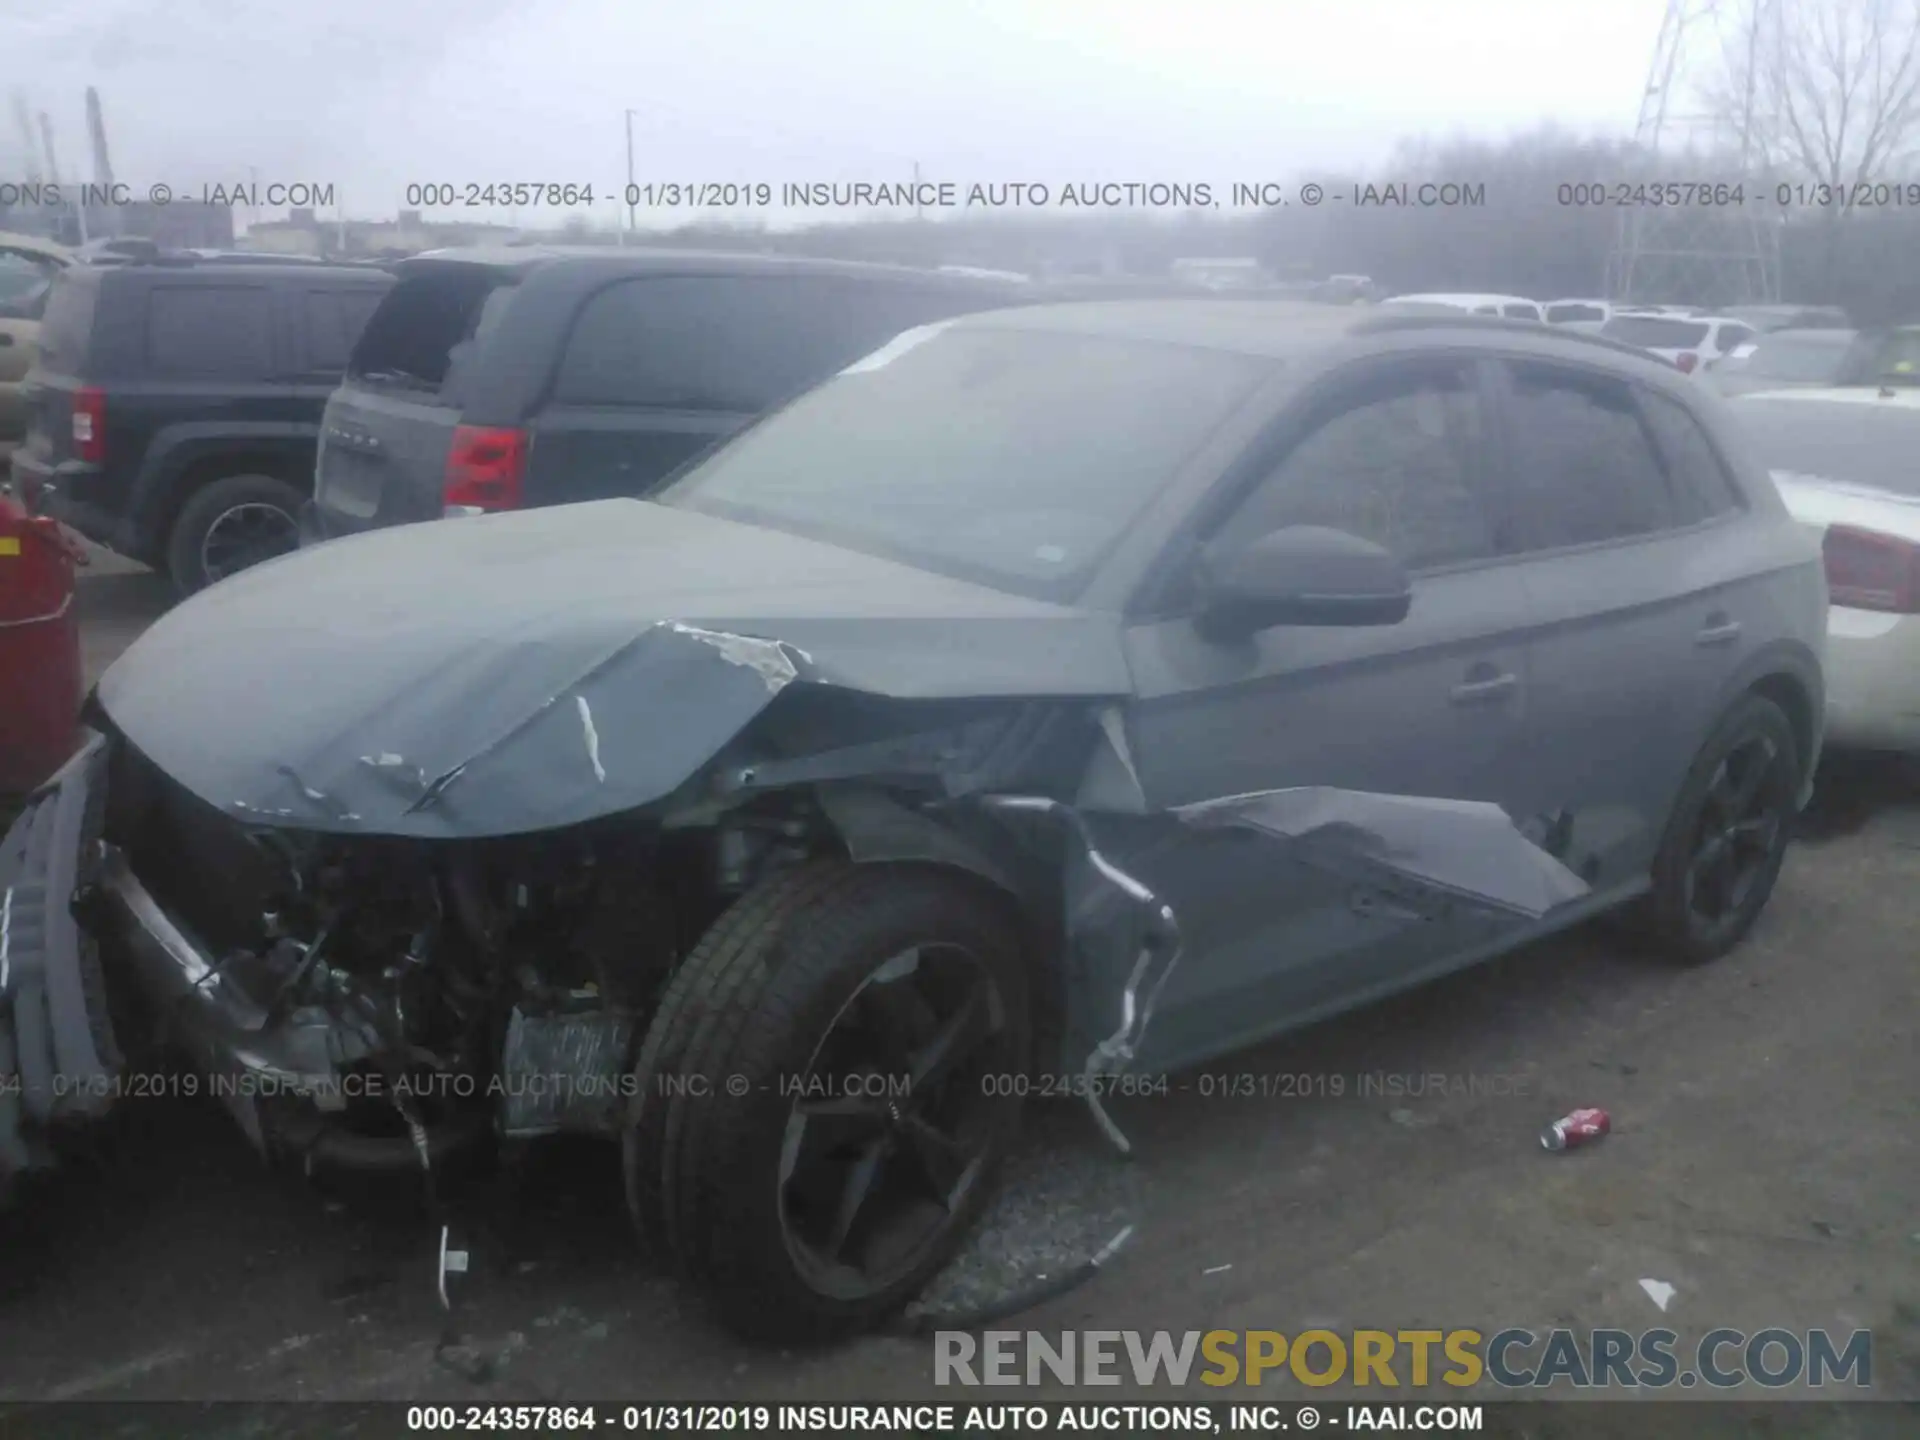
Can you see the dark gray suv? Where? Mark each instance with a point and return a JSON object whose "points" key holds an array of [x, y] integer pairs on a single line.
{"points": [[508, 379], [1078, 691]]}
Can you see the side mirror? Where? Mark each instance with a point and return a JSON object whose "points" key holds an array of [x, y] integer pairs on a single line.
{"points": [[1300, 575]]}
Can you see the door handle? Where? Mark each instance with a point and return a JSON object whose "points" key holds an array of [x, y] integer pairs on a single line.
{"points": [[1718, 631], [1479, 692]]}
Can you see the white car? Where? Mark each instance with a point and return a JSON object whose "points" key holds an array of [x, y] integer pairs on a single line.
{"points": [[1690, 342], [1847, 462], [1513, 307], [1584, 315]]}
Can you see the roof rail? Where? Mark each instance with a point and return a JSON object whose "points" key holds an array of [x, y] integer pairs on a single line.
{"points": [[1377, 324]]}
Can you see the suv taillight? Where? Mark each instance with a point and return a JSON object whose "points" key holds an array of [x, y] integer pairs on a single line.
{"points": [[484, 470], [90, 425], [1685, 361], [1870, 571]]}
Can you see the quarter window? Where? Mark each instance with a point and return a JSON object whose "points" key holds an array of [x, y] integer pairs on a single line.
{"points": [[1700, 481]]}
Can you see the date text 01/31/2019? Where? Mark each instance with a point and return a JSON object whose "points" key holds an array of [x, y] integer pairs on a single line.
{"points": [[1696, 194]]}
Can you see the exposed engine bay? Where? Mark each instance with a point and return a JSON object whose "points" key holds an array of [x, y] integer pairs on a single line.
{"points": [[386, 1002]]}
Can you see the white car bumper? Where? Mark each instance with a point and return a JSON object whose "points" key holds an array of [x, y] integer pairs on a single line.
{"points": [[1873, 680]]}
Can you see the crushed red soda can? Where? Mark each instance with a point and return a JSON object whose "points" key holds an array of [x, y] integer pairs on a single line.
{"points": [[1580, 1127]]}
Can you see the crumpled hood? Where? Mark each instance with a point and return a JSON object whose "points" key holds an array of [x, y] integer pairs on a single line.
{"points": [[507, 674]]}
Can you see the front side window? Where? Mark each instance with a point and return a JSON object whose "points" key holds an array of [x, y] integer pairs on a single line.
{"points": [[1395, 462], [1584, 467]]}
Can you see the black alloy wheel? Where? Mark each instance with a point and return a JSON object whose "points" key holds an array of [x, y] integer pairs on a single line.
{"points": [[891, 1122]]}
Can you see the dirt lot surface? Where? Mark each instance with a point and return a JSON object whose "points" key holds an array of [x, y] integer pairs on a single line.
{"points": [[1765, 1165]]}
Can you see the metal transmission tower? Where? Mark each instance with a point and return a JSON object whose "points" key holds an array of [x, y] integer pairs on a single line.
{"points": [[1700, 253]]}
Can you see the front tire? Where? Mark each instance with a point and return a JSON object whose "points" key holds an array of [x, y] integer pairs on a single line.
{"points": [[822, 1111], [230, 524], [1728, 835]]}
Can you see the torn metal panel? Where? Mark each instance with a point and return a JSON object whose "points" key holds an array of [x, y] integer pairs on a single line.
{"points": [[529, 672], [1034, 743], [1432, 854], [1464, 850]]}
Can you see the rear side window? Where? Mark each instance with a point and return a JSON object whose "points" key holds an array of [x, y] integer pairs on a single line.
{"points": [[1574, 314], [427, 324], [65, 324], [1521, 312], [217, 331], [1701, 486], [1584, 466], [335, 319], [739, 344]]}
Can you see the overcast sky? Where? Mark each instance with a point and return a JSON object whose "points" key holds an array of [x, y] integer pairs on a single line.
{"points": [[347, 92]]}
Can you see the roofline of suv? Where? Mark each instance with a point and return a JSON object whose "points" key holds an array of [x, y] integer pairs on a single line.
{"points": [[1379, 324]]}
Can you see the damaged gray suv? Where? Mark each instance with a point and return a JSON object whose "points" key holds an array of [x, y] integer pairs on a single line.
{"points": [[1076, 691]]}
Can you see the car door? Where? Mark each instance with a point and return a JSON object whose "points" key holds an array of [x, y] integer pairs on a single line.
{"points": [[1639, 620], [1431, 706]]}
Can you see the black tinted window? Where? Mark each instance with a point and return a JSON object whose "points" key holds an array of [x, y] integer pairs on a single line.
{"points": [[1701, 486], [427, 323], [1394, 463], [1583, 463], [335, 319], [1570, 314], [734, 343], [223, 331], [1521, 312]]}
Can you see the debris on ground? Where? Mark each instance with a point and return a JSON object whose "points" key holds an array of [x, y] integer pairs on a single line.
{"points": [[1063, 1202], [1660, 1292], [1576, 1128]]}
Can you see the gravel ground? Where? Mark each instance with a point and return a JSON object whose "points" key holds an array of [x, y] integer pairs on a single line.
{"points": [[1764, 1164]]}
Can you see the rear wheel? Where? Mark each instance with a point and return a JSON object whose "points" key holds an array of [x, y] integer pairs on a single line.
{"points": [[823, 1117], [230, 524], [1728, 836]]}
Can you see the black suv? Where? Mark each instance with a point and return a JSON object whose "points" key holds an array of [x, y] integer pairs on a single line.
{"points": [[509, 378], [173, 411]]}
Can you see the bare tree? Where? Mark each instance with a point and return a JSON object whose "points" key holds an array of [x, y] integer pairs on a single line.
{"points": [[1824, 91]]}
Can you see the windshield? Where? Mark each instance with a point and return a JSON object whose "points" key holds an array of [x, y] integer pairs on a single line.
{"points": [[1865, 442], [1799, 357], [1655, 332], [1013, 458]]}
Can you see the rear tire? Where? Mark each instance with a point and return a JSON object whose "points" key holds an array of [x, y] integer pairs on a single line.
{"points": [[229, 524], [1728, 835], [814, 985]]}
